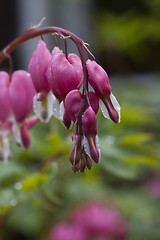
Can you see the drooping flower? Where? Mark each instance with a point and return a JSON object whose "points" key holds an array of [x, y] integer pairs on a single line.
{"points": [[21, 93], [99, 80], [73, 103], [65, 74], [91, 146], [5, 112], [37, 67], [5, 106]]}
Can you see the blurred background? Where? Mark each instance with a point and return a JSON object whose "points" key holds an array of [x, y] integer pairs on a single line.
{"points": [[38, 188]]}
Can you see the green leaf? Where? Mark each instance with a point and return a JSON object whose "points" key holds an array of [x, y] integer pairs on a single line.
{"points": [[34, 181], [143, 160], [10, 173], [134, 139], [5, 210]]}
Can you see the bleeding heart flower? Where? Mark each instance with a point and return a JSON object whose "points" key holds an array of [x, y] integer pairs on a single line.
{"points": [[21, 93], [99, 80], [5, 106], [64, 74], [90, 142], [38, 65]]}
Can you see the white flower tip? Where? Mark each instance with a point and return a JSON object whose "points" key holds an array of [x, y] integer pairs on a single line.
{"points": [[43, 111]]}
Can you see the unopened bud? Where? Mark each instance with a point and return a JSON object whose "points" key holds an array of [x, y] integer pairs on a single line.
{"points": [[89, 122], [73, 103]]}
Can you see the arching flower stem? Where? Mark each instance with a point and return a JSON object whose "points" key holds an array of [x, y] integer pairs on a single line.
{"points": [[34, 32]]}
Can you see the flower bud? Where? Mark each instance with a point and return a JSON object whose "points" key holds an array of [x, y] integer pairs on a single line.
{"points": [[78, 157], [76, 153], [73, 103], [98, 79], [89, 123]]}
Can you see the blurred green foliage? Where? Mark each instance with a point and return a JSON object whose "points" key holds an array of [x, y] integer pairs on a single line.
{"points": [[132, 32], [38, 187]]}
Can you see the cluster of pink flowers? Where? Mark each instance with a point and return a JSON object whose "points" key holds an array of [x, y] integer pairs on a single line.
{"points": [[16, 103], [54, 86], [92, 221]]}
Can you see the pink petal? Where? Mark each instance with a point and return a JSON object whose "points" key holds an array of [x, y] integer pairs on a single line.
{"points": [[5, 106], [38, 65], [66, 74], [73, 103], [98, 78], [94, 101], [25, 137], [89, 122], [31, 122], [21, 92]]}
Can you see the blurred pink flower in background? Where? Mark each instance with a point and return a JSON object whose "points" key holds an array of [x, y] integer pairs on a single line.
{"points": [[92, 220], [65, 231], [152, 186]]}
